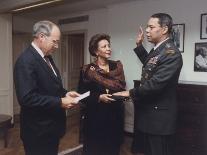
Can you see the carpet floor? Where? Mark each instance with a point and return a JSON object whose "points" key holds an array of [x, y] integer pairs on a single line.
{"points": [[69, 144], [70, 140]]}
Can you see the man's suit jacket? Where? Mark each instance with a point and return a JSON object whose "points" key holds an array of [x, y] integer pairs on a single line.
{"points": [[155, 98], [39, 93]]}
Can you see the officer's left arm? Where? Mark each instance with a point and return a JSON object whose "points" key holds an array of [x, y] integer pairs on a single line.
{"points": [[167, 69]]}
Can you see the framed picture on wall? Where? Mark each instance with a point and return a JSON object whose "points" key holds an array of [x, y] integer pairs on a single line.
{"points": [[178, 36], [203, 29], [200, 59]]}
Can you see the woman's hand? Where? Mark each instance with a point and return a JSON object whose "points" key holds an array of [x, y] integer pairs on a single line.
{"points": [[122, 93], [106, 98]]}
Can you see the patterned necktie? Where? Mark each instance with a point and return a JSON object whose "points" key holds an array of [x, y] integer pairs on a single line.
{"points": [[48, 61]]}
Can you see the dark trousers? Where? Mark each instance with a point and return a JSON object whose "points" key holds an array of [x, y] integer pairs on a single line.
{"points": [[41, 147], [99, 147], [153, 144]]}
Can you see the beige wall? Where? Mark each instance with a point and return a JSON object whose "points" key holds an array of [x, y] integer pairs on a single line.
{"points": [[6, 73]]}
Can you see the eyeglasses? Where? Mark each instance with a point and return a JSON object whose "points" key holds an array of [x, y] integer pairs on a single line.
{"points": [[53, 41]]}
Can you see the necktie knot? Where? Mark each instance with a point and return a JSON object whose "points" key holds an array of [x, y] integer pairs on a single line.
{"points": [[47, 57]]}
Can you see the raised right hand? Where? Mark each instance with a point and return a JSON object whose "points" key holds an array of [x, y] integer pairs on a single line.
{"points": [[140, 37]]}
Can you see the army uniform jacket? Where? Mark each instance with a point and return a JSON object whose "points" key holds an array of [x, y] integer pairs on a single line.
{"points": [[155, 98]]}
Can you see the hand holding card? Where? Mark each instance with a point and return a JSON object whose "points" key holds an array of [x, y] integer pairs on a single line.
{"points": [[82, 96]]}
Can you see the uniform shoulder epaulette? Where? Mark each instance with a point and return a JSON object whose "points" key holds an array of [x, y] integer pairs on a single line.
{"points": [[170, 51]]}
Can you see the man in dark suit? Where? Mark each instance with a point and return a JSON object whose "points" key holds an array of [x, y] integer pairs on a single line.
{"points": [[40, 93], [155, 98]]}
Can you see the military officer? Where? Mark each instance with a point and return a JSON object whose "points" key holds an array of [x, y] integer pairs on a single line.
{"points": [[155, 98]]}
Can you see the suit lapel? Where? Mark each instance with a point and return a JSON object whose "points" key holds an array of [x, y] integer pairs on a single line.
{"points": [[46, 67]]}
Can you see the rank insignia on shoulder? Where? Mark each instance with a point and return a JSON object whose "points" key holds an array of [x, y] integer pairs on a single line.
{"points": [[170, 52]]}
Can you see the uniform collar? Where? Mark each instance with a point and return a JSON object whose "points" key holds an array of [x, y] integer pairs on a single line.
{"points": [[160, 43]]}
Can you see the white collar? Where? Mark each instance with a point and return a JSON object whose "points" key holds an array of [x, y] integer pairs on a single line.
{"points": [[38, 49], [160, 43]]}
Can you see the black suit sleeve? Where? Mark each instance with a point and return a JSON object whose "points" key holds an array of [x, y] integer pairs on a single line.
{"points": [[141, 52], [26, 84], [168, 69]]}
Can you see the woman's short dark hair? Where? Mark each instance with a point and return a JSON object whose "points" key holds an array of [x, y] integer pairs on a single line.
{"points": [[93, 43]]}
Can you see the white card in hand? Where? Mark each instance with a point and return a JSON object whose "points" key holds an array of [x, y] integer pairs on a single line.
{"points": [[82, 96]]}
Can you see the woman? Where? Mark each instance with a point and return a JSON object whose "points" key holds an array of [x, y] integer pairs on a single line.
{"points": [[104, 116]]}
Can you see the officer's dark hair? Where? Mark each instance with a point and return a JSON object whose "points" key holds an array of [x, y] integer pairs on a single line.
{"points": [[164, 20], [93, 43]]}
